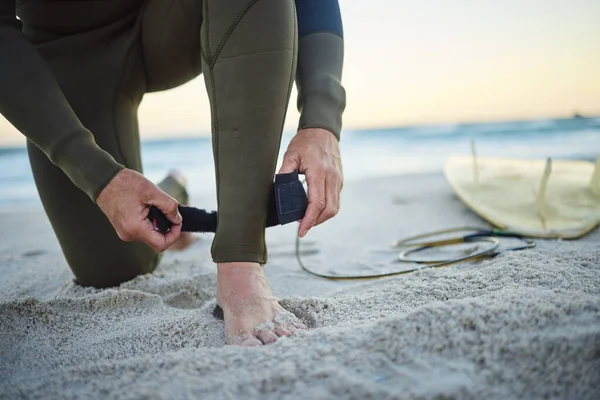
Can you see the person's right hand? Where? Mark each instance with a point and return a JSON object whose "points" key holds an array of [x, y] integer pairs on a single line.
{"points": [[126, 201]]}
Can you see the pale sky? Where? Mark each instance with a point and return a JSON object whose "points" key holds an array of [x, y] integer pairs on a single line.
{"points": [[436, 61]]}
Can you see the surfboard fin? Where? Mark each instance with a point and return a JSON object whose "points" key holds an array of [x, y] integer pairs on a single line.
{"points": [[541, 198], [595, 181], [475, 166]]}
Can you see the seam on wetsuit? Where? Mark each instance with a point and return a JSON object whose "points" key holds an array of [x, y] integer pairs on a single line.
{"points": [[215, 120], [213, 100], [322, 31], [231, 29], [290, 86], [211, 60]]}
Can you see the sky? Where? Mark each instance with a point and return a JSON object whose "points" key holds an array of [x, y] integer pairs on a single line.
{"points": [[435, 62]]}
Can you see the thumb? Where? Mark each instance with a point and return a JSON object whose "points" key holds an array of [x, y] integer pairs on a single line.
{"points": [[290, 164], [168, 206]]}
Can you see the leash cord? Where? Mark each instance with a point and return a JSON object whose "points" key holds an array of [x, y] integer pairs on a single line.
{"points": [[490, 251]]}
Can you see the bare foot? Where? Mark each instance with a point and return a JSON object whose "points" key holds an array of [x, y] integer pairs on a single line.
{"points": [[253, 317], [185, 238]]}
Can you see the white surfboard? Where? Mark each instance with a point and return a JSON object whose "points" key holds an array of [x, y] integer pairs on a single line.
{"points": [[536, 198]]}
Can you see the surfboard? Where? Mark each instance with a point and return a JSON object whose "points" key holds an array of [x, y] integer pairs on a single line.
{"points": [[533, 197]]}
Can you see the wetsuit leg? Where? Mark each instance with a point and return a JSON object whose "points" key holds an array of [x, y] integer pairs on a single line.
{"points": [[249, 52], [102, 74]]}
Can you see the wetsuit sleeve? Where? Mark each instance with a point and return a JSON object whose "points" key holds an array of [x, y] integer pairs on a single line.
{"points": [[321, 96], [32, 101]]}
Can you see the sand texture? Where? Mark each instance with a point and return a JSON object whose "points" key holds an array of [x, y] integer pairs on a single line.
{"points": [[524, 325]]}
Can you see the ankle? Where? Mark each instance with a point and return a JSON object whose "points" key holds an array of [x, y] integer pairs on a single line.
{"points": [[237, 268], [240, 279]]}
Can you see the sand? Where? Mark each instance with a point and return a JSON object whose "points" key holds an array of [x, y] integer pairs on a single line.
{"points": [[524, 325]]}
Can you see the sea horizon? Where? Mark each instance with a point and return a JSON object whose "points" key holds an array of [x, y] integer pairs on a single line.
{"points": [[206, 134], [366, 153]]}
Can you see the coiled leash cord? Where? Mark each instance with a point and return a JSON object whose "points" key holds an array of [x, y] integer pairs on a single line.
{"points": [[480, 236]]}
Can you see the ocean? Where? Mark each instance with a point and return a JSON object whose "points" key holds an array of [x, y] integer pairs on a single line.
{"points": [[365, 153]]}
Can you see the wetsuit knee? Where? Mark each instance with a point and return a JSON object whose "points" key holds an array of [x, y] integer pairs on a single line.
{"points": [[124, 267]]}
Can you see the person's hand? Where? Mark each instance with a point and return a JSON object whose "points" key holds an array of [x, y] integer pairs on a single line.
{"points": [[126, 201], [315, 153]]}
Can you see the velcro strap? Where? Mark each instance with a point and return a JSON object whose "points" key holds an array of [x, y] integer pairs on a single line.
{"points": [[288, 203], [291, 199]]}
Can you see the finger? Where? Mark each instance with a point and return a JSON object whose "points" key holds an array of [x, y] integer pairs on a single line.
{"points": [[165, 240], [173, 235], [156, 240], [290, 164], [316, 201], [332, 195], [167, 205]]}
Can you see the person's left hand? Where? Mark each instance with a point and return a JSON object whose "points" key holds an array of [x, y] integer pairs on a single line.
{"points": [[315, 153]]}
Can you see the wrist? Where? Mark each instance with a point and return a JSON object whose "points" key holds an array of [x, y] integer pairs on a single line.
{"points": [[322, 107], [318, 133]]}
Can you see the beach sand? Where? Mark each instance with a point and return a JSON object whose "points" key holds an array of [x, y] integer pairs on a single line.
{"points": [[524, 325]]}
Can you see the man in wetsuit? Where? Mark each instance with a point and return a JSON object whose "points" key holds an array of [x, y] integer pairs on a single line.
{"points": [[72, 75]]}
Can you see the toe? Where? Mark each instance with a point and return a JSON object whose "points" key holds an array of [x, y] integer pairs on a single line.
{"points": [[266, 336], [244, 339], [300, 325], [283, 331], [251, 342], [289, 320]]}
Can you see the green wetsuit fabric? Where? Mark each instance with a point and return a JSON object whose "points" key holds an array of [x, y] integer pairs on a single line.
{"points": [[72, 75]]}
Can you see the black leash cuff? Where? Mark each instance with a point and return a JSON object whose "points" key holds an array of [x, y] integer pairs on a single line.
{"points": [[288, 203]]}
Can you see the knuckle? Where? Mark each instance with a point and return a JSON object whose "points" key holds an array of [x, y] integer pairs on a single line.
{"points": [[320, 203], [330, 212], [288, 154]]}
